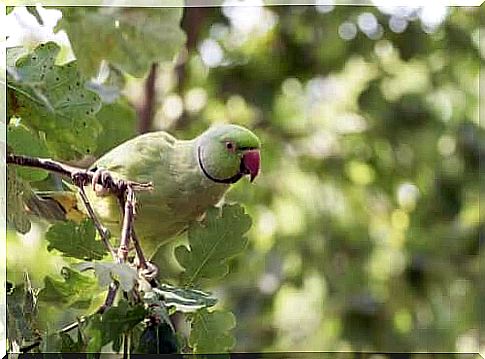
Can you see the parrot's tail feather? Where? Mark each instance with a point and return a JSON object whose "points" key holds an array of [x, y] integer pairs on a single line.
{"points": [[55, 206]]}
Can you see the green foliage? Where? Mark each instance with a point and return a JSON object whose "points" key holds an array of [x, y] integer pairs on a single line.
{"points": [[69, 345], [23, 141], [74, 290], [131, 39], [110, 326], [18, 191], [212, 242], [22, 314], [64, 343], [75, 240], [210, 331], [54, 100], [119, 124]]}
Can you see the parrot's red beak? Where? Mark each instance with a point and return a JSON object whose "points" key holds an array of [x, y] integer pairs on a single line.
{"points": [[251, 161]]}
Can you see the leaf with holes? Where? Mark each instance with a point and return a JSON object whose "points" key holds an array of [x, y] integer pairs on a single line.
{"points": [[212, 242], [210, 331], [75, 240], [53, 99], [131, 39]]}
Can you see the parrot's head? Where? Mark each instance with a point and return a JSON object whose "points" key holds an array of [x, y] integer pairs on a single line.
{"points": [[226, 153]]}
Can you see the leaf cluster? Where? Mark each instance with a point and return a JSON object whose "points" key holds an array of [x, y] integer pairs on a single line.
{"points": [[71, 112]]}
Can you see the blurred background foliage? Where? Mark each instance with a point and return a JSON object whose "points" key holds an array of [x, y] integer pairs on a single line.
{"points": [[366, 215]]}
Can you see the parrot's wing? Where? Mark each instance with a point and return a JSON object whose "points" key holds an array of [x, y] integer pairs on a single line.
{"points": [[55, 206], [135, 159]]}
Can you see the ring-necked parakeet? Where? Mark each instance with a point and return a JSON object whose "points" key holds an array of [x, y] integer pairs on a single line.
{"points": [[188, 177]]}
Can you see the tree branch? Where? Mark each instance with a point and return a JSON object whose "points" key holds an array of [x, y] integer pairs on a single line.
{"points": [[147, 108], [74, 173], [193, 22]]}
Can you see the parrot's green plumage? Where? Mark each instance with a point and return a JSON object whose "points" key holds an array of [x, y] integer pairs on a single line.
{"points": [[188, 177]]}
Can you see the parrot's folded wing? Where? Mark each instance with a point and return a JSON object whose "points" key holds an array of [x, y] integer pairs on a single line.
{"points": [[52, 205]]}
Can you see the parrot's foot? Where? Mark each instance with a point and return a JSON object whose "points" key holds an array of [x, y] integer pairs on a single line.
{"points": [[101, 181], [151, 271]]}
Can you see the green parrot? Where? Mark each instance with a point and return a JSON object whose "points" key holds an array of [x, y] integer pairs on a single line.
{"points": [[188, 177]]}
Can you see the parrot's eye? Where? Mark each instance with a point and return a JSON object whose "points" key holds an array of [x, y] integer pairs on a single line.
{"points": [[230, 146]]}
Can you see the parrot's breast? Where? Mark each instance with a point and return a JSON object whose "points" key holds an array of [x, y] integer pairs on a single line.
{"points": [[181, 192]]}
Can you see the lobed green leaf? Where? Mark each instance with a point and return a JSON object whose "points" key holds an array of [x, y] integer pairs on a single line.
{"points": [[210, 331], [75, 240], [212, 243]]}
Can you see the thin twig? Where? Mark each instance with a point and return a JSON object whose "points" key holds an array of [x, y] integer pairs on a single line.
{"points": [[142, 262], [110, 297], [103, 232], [108, 302], [128, 207], [128, 213]]}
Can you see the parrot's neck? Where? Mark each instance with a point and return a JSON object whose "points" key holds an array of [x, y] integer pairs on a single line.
{"points": [[211, 167], [205, 171]]}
